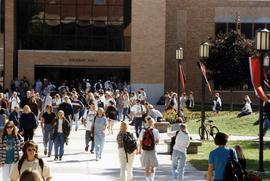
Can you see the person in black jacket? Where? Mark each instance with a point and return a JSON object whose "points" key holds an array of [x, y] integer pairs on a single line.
{"points": [[28, 123], [60, 134], [14, 116], [67, 108]]}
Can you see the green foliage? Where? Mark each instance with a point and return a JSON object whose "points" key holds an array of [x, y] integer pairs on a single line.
{"points": [[228, 60]]}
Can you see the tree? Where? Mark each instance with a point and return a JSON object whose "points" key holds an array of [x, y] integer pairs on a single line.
{"points": [[228, 60]]}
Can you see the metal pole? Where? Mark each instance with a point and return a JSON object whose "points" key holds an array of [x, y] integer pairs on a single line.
{"points": [[202, 108], [261, 167], [178, 97]]}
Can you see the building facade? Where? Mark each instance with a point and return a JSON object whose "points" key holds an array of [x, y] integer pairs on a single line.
{"points": [[128, 40]]}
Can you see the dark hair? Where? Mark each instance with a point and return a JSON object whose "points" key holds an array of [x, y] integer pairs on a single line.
{"points": [[14, 131], [221, 138], [30, 175], [26, 145]]}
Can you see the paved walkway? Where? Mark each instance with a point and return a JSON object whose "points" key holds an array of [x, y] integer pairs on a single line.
{"points": [[78, 164]]}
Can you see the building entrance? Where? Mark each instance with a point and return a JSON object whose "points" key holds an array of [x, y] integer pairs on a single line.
{"points": [[94, 74]]}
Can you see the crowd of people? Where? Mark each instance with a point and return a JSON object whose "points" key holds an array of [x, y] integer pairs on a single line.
{"points": [[60, 109]]}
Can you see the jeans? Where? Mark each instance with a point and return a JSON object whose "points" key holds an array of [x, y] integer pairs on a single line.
{"points": [[6, 169], [76, 119], [99, 140], [59, 145], [126, 168], [138, 126], [178, 165], [47, 137], [87, 139], [266, 125], [125, 113]]}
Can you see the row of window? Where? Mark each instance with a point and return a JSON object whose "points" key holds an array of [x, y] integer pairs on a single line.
{"points": [[73, 26], [80, 43], [120, 2], [247, 29]]}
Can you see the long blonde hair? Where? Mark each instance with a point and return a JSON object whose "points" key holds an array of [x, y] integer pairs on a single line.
{"points": [[239, 151], [124, 127]]}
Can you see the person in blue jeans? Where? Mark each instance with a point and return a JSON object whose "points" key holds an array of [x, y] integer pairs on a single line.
{"points": [[138, 110], [179, 154], [219, 157], [47, 129], [60, 136], [99, 126]]}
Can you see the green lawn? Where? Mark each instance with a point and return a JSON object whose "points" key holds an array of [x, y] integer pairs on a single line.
{"points": [[250, 148], [227, 122]]}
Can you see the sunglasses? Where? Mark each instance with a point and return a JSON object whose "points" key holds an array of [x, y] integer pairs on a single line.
{"points": [[31, 149], [9, 127]]}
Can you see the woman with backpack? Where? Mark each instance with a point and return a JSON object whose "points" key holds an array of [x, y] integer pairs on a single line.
{"points": [[218, 158], [148, 138], [98, 132], [30, 160], [10, 145], [124, 140], [179, 154]]}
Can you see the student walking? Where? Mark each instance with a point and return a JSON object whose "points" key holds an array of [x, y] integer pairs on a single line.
{"points": [[10, 145], [179, 155], [60, 136], [88, 119], [219, 157], [99, 126], [30, 160], [126, 159], [28, 123], [149, 137], [47, 129]]}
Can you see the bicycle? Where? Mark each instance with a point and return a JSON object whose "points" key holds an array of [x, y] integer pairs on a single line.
{"points": [[209, 129]]}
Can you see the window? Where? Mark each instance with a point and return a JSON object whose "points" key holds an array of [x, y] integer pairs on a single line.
{"points": [[100, 1], [221, 28], [73, 24], [246, 29]]}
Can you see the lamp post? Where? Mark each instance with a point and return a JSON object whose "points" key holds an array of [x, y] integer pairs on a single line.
{"points": [[179, 57], [262, 45], [204, 54]]}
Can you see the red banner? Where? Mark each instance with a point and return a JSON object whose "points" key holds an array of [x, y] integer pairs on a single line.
{"points": [[255, 69], [182, 78], [203, 70]]}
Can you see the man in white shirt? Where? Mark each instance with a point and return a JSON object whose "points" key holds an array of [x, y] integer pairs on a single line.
{"points": [[138, 110]]}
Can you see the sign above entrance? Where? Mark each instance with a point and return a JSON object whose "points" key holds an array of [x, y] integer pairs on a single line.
{"points": [[81, 60]]}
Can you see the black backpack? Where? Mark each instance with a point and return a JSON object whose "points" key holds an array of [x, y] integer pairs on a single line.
{"points": [[233, 170], [100, 104], [130, 144], [148, 142]]}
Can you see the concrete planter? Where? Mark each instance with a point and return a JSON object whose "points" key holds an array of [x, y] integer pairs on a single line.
{"points": [[162, 127]]}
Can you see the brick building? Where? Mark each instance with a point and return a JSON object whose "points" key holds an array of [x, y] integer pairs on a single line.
{"points": [[132, 40]]}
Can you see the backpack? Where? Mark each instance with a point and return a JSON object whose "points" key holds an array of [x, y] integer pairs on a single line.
{"points": [[40, 162], [173, 142], [100, 104], [217, 105], [130, 144], [148, 142], [233, 170]]}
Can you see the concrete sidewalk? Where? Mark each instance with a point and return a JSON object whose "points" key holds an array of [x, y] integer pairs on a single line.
{"points": [[78, 164]]}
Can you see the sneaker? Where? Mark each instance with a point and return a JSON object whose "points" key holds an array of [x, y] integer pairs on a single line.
{"points": [[49, 155], [86, 148], [92, 151], [55, 158], [45, 152], [60, 158]]}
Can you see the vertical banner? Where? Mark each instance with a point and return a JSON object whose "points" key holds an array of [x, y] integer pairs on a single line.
{"points": [[203, 70], [182, 78], [255, 70]]}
